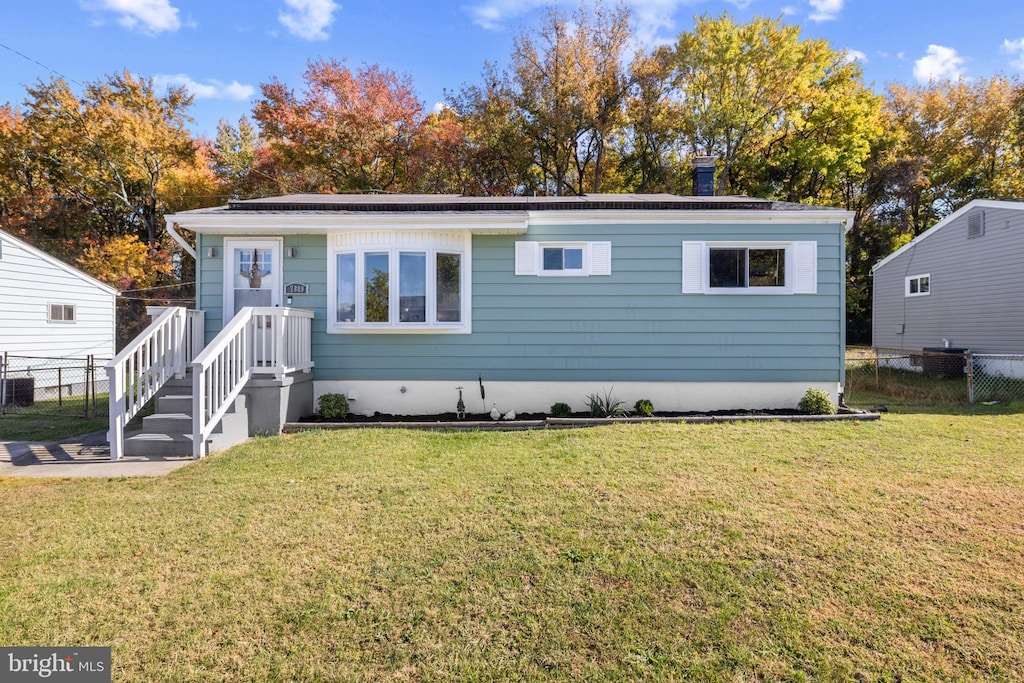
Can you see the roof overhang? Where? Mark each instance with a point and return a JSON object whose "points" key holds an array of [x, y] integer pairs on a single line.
{"points": [[740, 216], [238, 222]]}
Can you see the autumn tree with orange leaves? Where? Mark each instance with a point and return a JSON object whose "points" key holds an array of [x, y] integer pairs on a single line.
{"points": [[348, 130]]}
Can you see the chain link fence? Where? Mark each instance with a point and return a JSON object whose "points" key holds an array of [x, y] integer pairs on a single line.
{"points": [[53, 387], [931, 375], [996, 377]]}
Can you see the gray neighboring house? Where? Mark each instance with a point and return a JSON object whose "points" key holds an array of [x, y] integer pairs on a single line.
{"points": [[958, 284]]}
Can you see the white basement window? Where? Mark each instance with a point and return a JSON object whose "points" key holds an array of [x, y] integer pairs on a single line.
{"points": [[750, 267], [399, 283], [62, 313], [918, 285], [564, 259]]}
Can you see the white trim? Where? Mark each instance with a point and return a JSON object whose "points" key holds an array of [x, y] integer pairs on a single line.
{"points": [[910, 278], [430, 397], [395, 242], [230, 244], [224, 221], [596, 258], [800, 267], [582, 271], [974, 204], [52, 260], [62, 320], [297, 222]]}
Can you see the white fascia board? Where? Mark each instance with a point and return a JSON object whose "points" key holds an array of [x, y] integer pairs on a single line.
{"points": [[237, 223], [974, 204], [744, 216], [53, 260]]}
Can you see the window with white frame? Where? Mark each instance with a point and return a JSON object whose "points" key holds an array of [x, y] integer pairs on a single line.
{"points": [[918, 285], [61, 313], [399, 282], [750, 267], [561, 259]]}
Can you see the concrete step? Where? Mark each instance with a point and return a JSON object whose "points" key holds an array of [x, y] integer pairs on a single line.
{"points": [[167, 423], [158, 445], [174, 404]]}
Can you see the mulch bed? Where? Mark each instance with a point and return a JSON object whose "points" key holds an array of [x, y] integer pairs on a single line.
{"points": [[531, 417], [475, 421]]}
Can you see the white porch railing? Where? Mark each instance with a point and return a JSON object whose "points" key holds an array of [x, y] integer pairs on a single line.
{"points": [[257, 341], [162, 351]]}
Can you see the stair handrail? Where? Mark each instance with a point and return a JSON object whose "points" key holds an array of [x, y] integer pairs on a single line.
{"points": [[219, 374], [258, 340], [137, 373]]}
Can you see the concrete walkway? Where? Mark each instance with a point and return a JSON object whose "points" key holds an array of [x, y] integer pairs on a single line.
{"points": [[87, 455]]}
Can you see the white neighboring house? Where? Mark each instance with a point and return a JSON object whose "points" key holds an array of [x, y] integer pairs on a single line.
{"points": [[50, 309]]}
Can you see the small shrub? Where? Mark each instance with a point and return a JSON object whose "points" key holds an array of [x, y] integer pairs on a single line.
{"points": [[332, 407], [643, 407], [817, 402], [561, 410], [605, 406]]}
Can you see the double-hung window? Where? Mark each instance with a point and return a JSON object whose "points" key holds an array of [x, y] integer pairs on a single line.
{"points": [[750, 267], [413, 282]]}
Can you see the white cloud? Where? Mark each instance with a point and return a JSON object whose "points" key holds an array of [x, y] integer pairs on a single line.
{"points": [[790, 10], [1015, 48], [855, 56], [147, 16], [308, 19], [211, 90], [492, 14], [650, 17], [939, 63], [825, 10]]}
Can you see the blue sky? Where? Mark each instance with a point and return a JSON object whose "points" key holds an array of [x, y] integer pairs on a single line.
{"points": [[224, 49]]}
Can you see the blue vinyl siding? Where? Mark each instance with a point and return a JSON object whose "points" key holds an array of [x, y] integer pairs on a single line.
{"points": [[634, 325]]}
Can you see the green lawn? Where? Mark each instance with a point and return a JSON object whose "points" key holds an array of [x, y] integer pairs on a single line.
{"points": [[767, 551], [51, 420]]}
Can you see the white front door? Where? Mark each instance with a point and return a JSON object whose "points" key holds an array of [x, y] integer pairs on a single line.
{"points": [[252, 274]]}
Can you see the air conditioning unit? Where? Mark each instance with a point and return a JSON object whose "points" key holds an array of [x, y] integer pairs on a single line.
{"points": [[18, 391]]}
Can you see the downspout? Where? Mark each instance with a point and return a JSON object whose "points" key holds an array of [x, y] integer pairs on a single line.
{"points": [[179, 239]]}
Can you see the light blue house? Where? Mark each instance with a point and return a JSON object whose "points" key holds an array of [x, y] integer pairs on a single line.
{"points": [[696, 303]]}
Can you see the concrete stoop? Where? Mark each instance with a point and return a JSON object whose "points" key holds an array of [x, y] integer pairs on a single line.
{"points": [[168, 431], [263, 407]]}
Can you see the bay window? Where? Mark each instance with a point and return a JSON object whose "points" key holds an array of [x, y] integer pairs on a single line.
{"points": [[418, 282]]}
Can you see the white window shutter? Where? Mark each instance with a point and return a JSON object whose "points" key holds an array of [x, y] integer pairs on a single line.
{"points": [[693, 267], [600, 258], [806, 268], [526, 258]]}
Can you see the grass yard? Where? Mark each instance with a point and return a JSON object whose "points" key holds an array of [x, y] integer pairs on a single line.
{"points": [[52, 420], [769, 551]]}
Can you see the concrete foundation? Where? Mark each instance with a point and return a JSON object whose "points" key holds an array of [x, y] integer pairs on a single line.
{"points": [[272, 401]]}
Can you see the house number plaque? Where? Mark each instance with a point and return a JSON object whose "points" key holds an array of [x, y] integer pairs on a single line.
{"points": [[296, 288]]}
